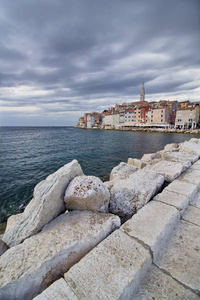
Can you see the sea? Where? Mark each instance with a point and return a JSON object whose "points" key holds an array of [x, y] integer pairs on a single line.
{"points": [[29, 154]]}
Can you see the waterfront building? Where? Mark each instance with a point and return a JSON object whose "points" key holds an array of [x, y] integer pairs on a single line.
{"points": [[90, 120], [158, 116], [187, 117], [184, 104], [129, 117], [116, 119], [108, 120]]}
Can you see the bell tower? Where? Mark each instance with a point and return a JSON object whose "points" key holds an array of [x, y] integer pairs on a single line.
{"points": [[142, 93]]}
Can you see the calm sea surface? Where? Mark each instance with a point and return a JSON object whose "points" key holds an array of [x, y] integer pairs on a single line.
{"points": [[29, 154]]}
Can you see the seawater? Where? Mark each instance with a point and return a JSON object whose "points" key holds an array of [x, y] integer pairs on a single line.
{"points": [[29, 154]]}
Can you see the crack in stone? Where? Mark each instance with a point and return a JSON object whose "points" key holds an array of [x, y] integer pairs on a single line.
{"points": [[192, 205], [179, 209], [196, 292], [189, 222]]}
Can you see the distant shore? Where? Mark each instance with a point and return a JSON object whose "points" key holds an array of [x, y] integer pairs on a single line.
{"points": [[154, 129]]}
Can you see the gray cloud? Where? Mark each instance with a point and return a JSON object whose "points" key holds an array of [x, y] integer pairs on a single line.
{"points": [[75, 56]]}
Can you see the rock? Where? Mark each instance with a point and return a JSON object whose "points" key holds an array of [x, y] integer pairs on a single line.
{"points": [[11, 220], [112, 270], [183, 157], [3, 247], [171, 170], [171, 148], [27, 269], [87, 193], [136, 163], [148, 157], [47, 204], [122, 171], [129, 195], [191, 147]]}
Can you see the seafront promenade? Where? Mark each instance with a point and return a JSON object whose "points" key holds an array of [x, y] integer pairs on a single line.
{"points": [[90, 254]]}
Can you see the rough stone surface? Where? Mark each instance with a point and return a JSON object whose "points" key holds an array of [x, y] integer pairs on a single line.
{"points": [[157, 285], [136, 163], [153, 225], [183, 188], [3, 247], [171, 148], [196, 201], [148, 157], [87, 193], [122, 171], [27, 269], [46, 205], [11, 220], [196, 165], [192, 176], [59, 290], [112, 270], [183, 253], [127, 196], [183, 157], [171, 198], [192, 215], [171, 170], [191, 147]]}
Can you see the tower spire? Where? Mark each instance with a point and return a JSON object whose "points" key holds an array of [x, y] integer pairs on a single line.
{"points": [[142, 93]]}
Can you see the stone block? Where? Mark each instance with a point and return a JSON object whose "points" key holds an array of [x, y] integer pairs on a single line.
{"points": [[183, 157], [196, 201], [59, 290], [87, 193], [47, 204], [27, 269], [3, 247], [112, 270], [171, 147], [190, 146], [171, 170], [179, 201], [192, 215], [183, 188], [181, 258], [150, 156], [128, 195], [196, 165], [136, 163], [122, 171], [191, 176], [153, 225], [158, 285]]}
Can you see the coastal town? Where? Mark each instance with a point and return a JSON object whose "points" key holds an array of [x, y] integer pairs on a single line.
{"points": [[142, 114]]}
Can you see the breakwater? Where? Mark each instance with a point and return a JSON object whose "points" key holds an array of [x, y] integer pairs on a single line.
{"points": [[149, 196]]}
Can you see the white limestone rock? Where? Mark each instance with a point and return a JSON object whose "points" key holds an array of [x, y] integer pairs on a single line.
{"points": [[184, 157], [191, 147], [27, 269], [3, 247], [170, 170], [137, 163], [129, 195], [87, 193], [122, 171], [47, 204], [171, 148], [11, 220], [150, 156]]}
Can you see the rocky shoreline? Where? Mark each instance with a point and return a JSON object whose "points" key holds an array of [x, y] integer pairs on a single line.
{"points": [[70, 214]]}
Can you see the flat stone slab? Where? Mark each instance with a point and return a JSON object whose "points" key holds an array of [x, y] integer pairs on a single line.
{"points": [[27, 269], [183, 188], [183, 157], [122, 171], [171, 170], [59, 290], [153, 225], [196, 165], [192, 176], [112, 270], [46, 205], [196, 201], [190, 146], [157, 285], [192, 215], [181, 258], [179, 201], [137, 163]]}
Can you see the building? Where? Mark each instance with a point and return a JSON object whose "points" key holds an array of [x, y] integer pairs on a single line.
{"points": [[142, 93], [187, 117], [158, 116]]}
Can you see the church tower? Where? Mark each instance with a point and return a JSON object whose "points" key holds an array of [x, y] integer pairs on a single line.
{"points": [[142, 93]]}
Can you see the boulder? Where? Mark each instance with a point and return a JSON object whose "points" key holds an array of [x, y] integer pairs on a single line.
{"points": [[47, 204], [191, 147], [3, 247], [150, 156], [87, 193], [127, 196], [122, 171], [183, 157], [171, 148], [11, 220], [137, 163], [170, 170], [29, 268]]}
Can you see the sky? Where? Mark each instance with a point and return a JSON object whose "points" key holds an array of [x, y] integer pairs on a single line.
{"points": [[62, 58]]}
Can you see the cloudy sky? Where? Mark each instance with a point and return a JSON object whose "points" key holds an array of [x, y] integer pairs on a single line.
{"points": [[62, 58]]}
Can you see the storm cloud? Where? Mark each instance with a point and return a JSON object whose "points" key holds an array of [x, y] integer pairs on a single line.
{"points": [[59, 59]]}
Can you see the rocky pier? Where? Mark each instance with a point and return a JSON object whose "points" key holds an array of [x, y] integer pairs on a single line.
{"points": [[135, 236]]}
